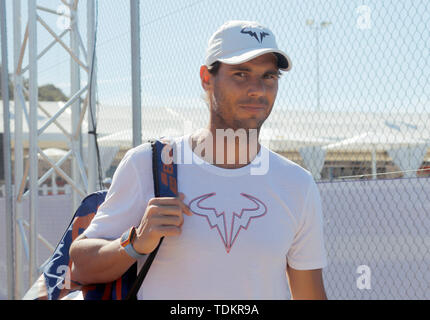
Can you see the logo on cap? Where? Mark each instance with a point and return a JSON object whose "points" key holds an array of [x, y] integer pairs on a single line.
{"points": [[254, 34]]}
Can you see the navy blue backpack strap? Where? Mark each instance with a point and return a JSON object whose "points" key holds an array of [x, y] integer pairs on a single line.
{"points": [[165, 174], [165, 185]]}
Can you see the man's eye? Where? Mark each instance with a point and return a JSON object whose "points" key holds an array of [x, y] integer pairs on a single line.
{"points": [[240, 74], [271, 76]]}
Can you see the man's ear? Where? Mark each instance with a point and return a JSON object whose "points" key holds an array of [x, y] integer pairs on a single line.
{"points": [[205, 77]]}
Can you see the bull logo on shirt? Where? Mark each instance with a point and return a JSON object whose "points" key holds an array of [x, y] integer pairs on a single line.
{"points": [[228, 229]]}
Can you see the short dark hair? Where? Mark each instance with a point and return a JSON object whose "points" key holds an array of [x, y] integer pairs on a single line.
{"points": [[214, 67]]}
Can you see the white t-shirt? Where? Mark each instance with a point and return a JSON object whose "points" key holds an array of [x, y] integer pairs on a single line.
{"points": [[248, 223]]}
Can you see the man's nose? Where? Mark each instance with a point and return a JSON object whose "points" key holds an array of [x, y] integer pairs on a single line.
{"points": [[256, 88]]}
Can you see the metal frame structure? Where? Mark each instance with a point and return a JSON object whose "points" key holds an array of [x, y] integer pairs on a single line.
{"points": [[10, 234], [84, 178], [81, 181]]}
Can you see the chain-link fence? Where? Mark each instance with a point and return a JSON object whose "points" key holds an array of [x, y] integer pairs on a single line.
{"points": [[354, 111]]}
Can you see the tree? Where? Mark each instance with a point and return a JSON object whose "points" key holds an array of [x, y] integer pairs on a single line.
{"points": [[47, 92]]}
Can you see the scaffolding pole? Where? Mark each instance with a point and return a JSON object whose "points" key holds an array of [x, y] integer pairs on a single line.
{"points": [[33, 103], [10, 230], [18, 149], [75, 86]]}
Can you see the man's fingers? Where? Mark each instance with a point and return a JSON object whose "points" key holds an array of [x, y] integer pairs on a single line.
{"points": [[186, 208], [167, 220], [157, 210], [163, 218], [169, 201]]}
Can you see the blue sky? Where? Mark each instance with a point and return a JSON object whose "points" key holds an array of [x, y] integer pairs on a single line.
{"points": [[383, 67]]}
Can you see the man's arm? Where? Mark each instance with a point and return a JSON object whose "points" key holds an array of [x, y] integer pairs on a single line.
{"points": [[98, 260], [306, 284], [101, 261]]}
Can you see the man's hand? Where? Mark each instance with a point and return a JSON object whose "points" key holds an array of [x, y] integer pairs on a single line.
{"points": [[163, 217], [101, 260]]}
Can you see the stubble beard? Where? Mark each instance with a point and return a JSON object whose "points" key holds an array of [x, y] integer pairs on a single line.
{"points": [[220, 120]]}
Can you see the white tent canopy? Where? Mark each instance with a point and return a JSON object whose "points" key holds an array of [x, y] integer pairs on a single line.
{"points": [[311, 133], [405, 148]]}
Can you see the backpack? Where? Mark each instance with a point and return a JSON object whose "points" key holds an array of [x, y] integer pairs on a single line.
{"points": [[55, 283]]}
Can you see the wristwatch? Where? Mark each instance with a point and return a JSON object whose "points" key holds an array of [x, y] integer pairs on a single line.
{"points": [[127, 243]]}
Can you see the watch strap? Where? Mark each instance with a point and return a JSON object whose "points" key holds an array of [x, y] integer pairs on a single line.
{"points": [[127, 243]]}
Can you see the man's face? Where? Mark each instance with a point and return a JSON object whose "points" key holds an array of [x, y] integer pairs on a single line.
{"points": [[242, 96]]}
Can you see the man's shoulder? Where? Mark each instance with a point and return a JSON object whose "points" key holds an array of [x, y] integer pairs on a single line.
{"points": [[145, 147], [137, 153], [285, 166]]}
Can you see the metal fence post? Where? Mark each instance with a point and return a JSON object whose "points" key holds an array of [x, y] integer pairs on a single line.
{"points": [[135, 71]]}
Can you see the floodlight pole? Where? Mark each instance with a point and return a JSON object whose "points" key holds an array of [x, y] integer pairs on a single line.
{"points": [[317, 28]]}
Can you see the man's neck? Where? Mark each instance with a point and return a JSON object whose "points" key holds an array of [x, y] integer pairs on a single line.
{"points": [[228, 149]]}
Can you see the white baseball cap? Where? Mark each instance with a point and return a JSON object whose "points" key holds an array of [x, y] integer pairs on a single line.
{"points": [[237, 42]]}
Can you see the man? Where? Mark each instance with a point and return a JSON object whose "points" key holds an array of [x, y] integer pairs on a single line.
{"points": [[247, 223]]}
